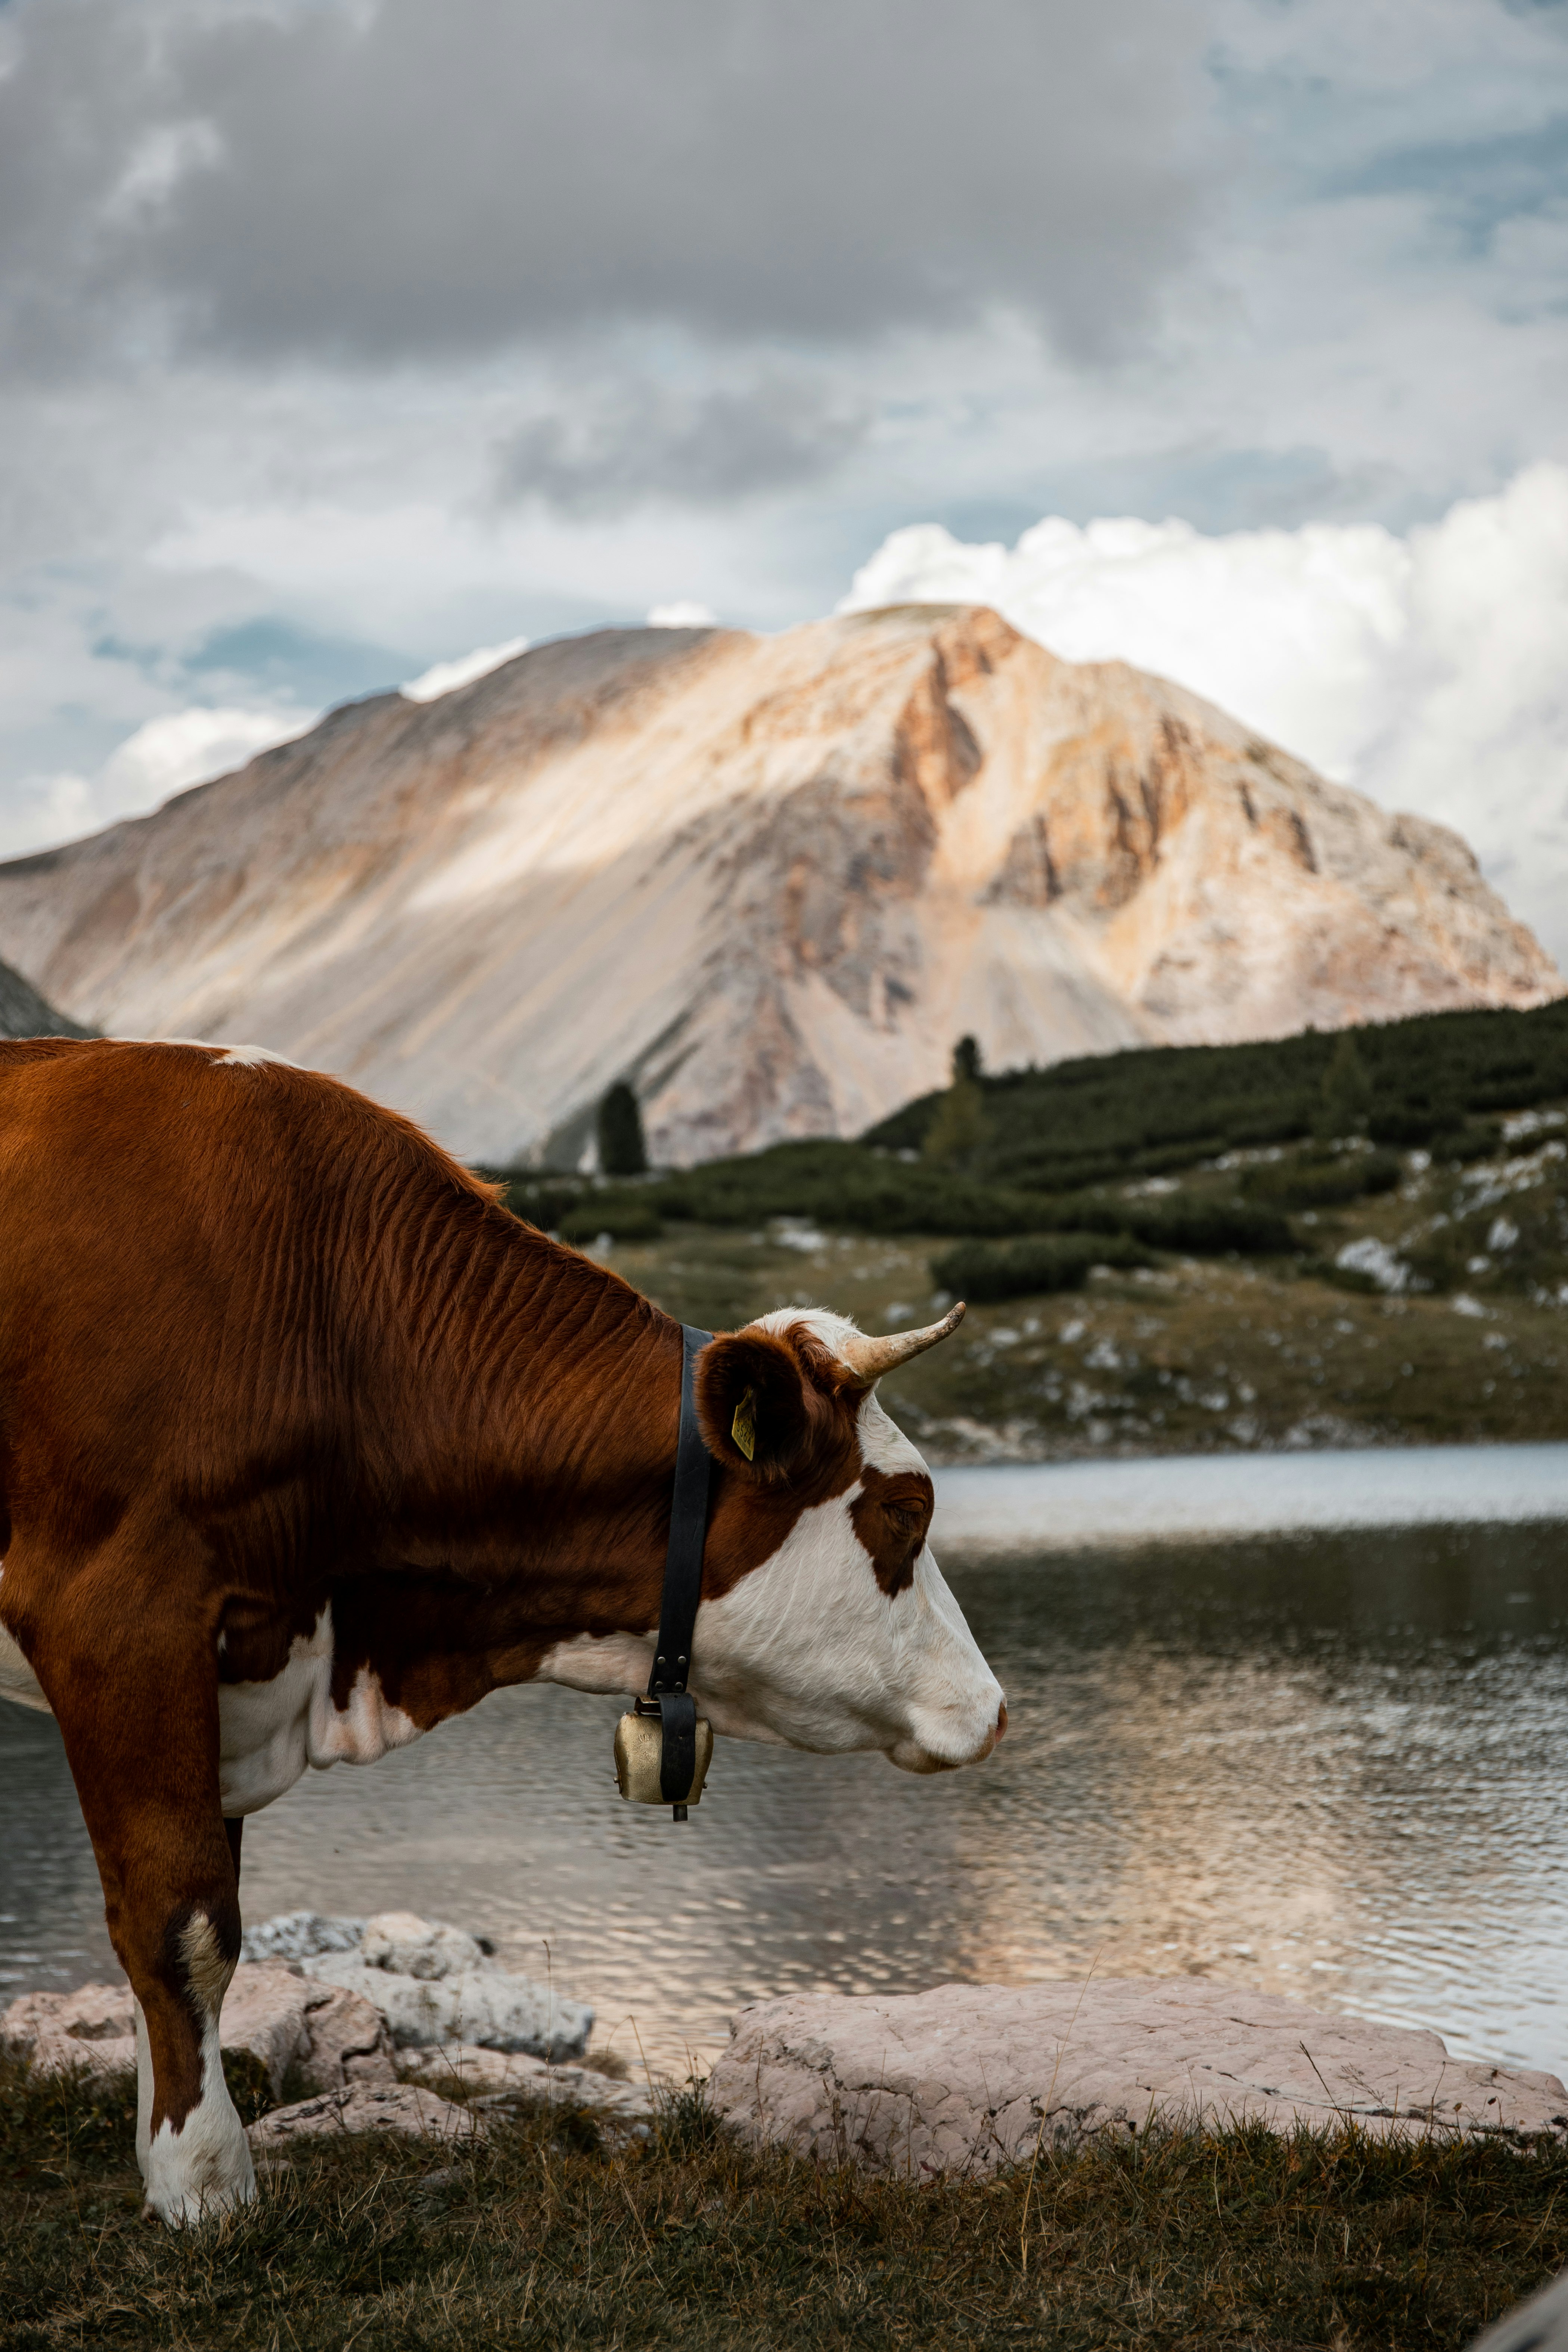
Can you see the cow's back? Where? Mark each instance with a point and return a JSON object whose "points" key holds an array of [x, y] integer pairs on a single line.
{"points": [[187, 1235]]}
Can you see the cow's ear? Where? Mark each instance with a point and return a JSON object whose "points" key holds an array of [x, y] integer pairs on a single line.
{"points": [[757, 1410]]}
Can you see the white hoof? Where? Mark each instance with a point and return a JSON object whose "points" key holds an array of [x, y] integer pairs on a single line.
{"points": [[203, 2168]]}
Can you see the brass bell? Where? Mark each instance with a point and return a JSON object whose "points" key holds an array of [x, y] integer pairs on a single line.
{"points": [[640, 1760]]}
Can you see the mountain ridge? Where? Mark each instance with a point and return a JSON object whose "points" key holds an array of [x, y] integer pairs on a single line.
{"points": [[767, 879]]}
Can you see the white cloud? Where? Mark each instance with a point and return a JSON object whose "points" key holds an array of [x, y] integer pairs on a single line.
{"points": [[681, 615], [1430, 669], [164, 756], [445, 678]]}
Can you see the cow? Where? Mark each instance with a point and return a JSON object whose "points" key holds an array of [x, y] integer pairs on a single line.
{"points": [[307, 1443]]}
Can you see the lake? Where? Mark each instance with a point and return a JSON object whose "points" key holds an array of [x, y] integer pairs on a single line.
{"points": [[1297, 1722]]}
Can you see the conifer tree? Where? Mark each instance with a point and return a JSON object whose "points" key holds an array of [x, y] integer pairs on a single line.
{"points": [[1346, 1097], [621, 1151], [956, 1133]]}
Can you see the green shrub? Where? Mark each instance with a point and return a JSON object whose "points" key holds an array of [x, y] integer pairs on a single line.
{"points": [[1411, 1124], [1477, 1140], [545, 1205], [619, 1135], [1304, 1183], [1061, 1262], [625, 1216], [1344, 1091], [1094, 1119], [1210, 1228]]}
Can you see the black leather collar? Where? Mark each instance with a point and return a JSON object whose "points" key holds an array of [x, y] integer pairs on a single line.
{"points": [[666, 1692]]}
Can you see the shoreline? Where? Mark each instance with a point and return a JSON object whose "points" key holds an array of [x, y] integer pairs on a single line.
{"points": [[1162, 1499]]}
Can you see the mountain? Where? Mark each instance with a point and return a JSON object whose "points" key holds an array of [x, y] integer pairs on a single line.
{"points": [[23, 1014], [768, 879]]}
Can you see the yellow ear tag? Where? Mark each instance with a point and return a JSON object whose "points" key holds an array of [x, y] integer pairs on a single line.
{"points": [[744, 1428]]}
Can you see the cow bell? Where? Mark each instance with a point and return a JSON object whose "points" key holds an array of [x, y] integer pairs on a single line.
{"points": [[650, 1770]]}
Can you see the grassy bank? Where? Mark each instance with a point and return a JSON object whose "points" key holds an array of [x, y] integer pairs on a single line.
{"points": [[1355, 1240], [546, 2236], [1180, 1354]]}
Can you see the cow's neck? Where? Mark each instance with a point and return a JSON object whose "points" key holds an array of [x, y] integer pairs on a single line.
{"points": [[538, 1431]]}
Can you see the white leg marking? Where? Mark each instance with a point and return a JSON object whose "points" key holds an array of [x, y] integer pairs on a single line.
{"points": [[201, 2167], [204, 2167]]}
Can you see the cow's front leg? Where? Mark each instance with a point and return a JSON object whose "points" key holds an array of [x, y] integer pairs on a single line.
{"points": [[140, 1732]]}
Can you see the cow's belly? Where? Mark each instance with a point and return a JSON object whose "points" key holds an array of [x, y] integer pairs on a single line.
{"points": [[269, 1732]]}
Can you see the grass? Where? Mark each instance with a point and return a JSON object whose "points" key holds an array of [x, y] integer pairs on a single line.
{"points": [[546, 2235], [1068, 1352]]}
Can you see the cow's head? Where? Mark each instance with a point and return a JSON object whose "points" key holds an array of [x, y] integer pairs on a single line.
{"points": [[826, 1624]]}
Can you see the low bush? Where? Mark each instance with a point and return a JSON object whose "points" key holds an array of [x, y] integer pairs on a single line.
{"points": [[1477, 1139], [1412, 1124], [843, 1185], [1090, 1120], [1307, 1183], [977, 1270], [625, 1216], [1210, 1228], [543, 1205]]}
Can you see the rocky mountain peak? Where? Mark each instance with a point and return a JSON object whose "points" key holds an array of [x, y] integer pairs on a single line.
{"points": [[768, 879]]}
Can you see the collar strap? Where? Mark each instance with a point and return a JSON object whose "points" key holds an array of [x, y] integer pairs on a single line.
{"points": [[667, 1690]]}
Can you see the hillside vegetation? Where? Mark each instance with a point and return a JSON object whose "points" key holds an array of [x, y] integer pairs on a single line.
{"points": [[1343, 1239]]}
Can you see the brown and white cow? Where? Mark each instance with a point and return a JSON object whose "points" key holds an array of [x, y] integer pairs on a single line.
{"points": [[306, 1444]]}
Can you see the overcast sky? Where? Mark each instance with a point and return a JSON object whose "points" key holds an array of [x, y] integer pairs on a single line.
{"points": [[342, 339]]}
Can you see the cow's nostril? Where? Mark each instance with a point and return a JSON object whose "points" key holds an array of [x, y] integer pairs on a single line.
{"points": [[1002, 1720]]}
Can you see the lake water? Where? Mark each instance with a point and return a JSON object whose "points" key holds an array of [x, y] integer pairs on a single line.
{"points": [[1329, 1760]]}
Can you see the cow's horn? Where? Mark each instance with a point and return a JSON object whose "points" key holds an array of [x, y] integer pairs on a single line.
{"points": [[869, 1359]]}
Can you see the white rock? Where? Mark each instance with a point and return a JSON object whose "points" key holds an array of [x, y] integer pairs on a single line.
{"points": [[493, 2073], [1375, 1259], [269, 2010], [295, 1935], [411, 1947], [484, 2004], [95, 2027], [968, 2076], [1539, 2325], [366, 2107]]}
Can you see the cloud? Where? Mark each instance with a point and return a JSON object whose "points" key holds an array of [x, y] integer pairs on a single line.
{"points": [[607, 450], [445, 677], [681, 616], [396, 180], [164, 756], [342, 332], [1429, 669]]}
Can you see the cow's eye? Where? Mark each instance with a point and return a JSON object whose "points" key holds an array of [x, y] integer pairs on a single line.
{"points": [[908, 1517]]}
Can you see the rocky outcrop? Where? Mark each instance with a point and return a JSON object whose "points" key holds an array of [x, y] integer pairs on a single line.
{"points": [[432, 1983], [326, 2001], [1539, 2325], [769, 880], [494, 2077], [967, 2077], [336, 2040], [25, 1014], [401, 2107]]}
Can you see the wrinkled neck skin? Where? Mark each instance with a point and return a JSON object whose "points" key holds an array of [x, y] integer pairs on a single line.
{"points": [[538, 1469], [532, 1405]]}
